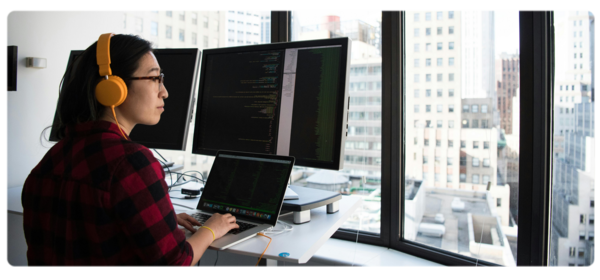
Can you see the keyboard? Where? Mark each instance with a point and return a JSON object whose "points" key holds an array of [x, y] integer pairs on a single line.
{"points": [[202, 218]]}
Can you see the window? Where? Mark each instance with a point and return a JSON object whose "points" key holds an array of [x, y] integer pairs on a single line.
{"points": [[205, 21], [169, 14], [416, 32], [427, 31], [439, 77], [475, 144], [416, 47], [484, 108], [425, 159], [582, 219], [416, 108], [486, 145], [485, 179], [475, 162], [451, 77], [440, 108], [475, 124], [450, 143], [370, 166], [416, 93], [440, 61], [182, 16], [449, 161], [416, 17], [451, 93], [406, 121], [428, 16], [498, 202], [451, 124], [181, 35], [439, 15], [449, 178], [154, 28], [450, 30], [439, 31], [438, 143], [427, 93], [427, 77], [582, 235], [451, 108], [474, 108], [168, 32], [463, 161], [139, 25], [416, 62], [572, 251], [416, 78], [463, 144], [475, 179], [581, 252], [428, 62], [439, 93], [194, 18], [484, 124], [194, 38], [428, 108], [486, 162], [465, 123], [451, 61], [426, 142]]}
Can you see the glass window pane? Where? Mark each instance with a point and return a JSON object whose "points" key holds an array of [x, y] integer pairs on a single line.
{"points": [[573, 173], [473, 105], [362, 167]]}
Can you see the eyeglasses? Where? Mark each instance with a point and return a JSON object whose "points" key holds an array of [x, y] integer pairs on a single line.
{"points": [[160, 78]]}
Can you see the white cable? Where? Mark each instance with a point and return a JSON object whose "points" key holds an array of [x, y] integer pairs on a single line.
{"points": [[480, 241], [357, 232], [287, 227]]}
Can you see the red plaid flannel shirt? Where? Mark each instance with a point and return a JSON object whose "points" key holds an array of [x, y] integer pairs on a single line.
{"points": [[98, 199]]}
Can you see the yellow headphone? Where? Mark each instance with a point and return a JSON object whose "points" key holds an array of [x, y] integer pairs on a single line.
{"points": [[112, 91]]}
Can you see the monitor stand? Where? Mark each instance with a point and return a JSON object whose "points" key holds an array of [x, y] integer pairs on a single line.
{"points": [[309, 198]]}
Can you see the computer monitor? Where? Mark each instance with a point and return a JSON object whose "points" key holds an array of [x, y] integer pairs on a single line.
{"points": [[180, 67], [281, 98]]}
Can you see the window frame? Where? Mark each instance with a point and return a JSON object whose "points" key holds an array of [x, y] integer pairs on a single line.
{"points": [[536, 76]]}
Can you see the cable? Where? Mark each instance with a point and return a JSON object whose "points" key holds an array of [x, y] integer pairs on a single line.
{"points": [[263, 253], [217, 258], [181, 205], [115, 115], [287, 227], [356, 244]]}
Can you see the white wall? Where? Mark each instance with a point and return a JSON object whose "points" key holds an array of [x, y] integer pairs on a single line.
{"points": [[50, 35]]}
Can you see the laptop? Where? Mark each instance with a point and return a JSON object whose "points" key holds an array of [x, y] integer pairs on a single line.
{"points": [[249, 186]]}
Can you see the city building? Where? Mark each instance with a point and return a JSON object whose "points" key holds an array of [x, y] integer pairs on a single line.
{"points": [[244, 28], [507, 84], [573, 192]]}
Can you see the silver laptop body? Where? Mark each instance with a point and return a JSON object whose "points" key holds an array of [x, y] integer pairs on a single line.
{"points": [[249, 186]]}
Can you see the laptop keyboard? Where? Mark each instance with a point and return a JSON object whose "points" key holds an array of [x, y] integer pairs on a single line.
{"points": [[202, 218]]}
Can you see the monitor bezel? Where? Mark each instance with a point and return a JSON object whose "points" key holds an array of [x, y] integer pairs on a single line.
{"points": [[273, 221], [342, 103], [190, 107]]}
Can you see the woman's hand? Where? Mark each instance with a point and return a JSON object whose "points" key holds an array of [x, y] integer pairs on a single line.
{"points": [[187, 222], [221, 224]]}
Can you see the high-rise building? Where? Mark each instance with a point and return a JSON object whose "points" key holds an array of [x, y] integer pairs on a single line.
{"points": [[243, 28], [477, 54], [507, 83], [177, 29], [573, 192]]}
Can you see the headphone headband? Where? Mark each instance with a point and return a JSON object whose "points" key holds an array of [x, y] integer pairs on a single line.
{"points": [[103, 54]]}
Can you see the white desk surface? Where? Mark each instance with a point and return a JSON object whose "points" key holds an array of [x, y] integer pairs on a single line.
{"points": [[301, 243]]}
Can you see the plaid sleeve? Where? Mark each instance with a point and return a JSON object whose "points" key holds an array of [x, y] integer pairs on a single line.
{"points": [[140, 199]]}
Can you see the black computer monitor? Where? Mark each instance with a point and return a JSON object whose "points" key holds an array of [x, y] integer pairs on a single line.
{"points": [[180, 67], [281, 98]]}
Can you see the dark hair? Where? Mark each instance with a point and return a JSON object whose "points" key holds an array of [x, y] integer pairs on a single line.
{"points": [[77, 102]]}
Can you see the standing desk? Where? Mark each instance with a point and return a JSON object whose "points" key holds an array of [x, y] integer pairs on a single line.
{"points": [[301, 243]]}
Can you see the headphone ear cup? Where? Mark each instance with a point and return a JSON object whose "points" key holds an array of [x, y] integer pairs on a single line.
{"points": [[111, 92]]}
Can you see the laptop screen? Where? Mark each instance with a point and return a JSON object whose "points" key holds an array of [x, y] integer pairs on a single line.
{"points": [[247, 185]]}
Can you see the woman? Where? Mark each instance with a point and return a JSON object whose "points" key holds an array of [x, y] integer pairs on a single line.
{"points": [[97, 198]]}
